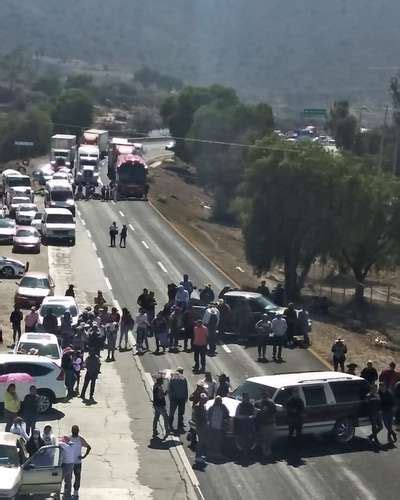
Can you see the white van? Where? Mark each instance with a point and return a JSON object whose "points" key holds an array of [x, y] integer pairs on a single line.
{"points": [[58, 224], [17, 185], [58, 194]]}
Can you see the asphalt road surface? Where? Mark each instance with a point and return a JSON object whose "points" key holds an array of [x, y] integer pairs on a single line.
{"points": [[316, 468]]}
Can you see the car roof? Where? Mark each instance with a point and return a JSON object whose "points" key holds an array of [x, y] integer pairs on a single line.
{"points": [[59, 299], [58, 183], [242, 293], [292, 379], [39, 338], [31, 228], [35, 274], [23, 358], [57, 211], [8, 438], [23, 205]]}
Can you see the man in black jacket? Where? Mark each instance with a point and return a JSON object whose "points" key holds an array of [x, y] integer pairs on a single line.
{"points": [[295, 413], [92, 365], [15, 320]]}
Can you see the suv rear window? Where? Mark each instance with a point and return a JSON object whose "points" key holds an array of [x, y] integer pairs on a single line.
{"points": [[255, 391], [314, 395], [33, 369], [350, 390]]}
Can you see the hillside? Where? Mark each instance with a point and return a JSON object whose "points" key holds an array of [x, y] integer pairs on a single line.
{"points": [[292, 53]]}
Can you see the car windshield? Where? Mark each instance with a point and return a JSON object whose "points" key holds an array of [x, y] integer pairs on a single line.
{"points": [[19, 181], [28, 208], [38, 215], [59, 219], [265, 303], [31, 282], [61, 195], [7, 223], [18, 201], [26, 232], [89, 163], [49, 350], [9, 456], [254, 390], [58, 309]]}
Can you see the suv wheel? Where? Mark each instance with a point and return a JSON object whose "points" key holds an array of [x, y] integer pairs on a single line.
{"points": [[7, 272], [45, 401], [344, 430]]}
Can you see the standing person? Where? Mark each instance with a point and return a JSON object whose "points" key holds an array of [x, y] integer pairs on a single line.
{"points": [[160, 407], [175, 327], [351, 369], [92, 364], [211, 321], [339, 351], [187, 284], [263, 289], [99, 300], [188, 326], [35, 442], [160, 329], [127, 324], [263, 329], [201, 422], [113, 230], [142, 324], [374, 412], [103, 193], [369, 373], [295, 413], [171, 292], [122, 236], [18, 429], [143, 300], [70, 292], [200, 340], [244, 424], [112, 334], [389, 376], [291, 322], [77, 362], [151, 311], [50, 323], [115, 316], [181, 297], [12, 405], [178, 395], [210, 385], [396, 395], [278, 327], [223, 388], [242, 318], [107, 193], [68, 367], [15, 320], [265, 423], [30, 409], [207, 294], [31, 320], [48, 436], [218, 419], [387, 408], [72, 460], [304, 325], [224, 312]]}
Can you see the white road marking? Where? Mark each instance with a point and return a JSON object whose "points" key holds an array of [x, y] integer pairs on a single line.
{"points": [[131, 227], [89, 233], [94, 246], [83, 222], [77, 212], [100, 182], [112, 201], [100, 263], [239, 269], [121, 213], [108, 283], [226, 348], [162, 266], [145, 245]]}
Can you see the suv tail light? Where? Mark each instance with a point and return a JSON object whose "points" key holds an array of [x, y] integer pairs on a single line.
{"points": [[61, 375]]}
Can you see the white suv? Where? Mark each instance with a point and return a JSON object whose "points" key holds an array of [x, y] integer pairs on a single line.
{"points": [[47, 376], [58, 224], [45, 344]]}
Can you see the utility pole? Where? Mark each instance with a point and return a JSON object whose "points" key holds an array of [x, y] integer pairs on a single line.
{"points": [[383, 137], [395, 91]]}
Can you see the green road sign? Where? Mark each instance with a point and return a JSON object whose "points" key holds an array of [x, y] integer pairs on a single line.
{"points": [[314, 112]]}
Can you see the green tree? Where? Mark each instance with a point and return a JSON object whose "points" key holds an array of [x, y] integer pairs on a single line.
{"points": [[288, 209], [73, 111], [49, 85], [82, 81], [343, 125]]}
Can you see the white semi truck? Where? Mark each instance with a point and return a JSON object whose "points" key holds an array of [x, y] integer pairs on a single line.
{"points": [[95, 137], [63, 150], [87, 165]]}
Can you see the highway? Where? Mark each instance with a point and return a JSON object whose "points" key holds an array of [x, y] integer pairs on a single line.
{"points": [[155, 256]]}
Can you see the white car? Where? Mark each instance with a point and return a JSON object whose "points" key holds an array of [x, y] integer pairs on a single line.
{"points": [[37, 220], [44, 344], [58, 224], [15, 202], [40, 474], [58, 305], [11, 268], [7, 230], [25, 213], [47, 376]]}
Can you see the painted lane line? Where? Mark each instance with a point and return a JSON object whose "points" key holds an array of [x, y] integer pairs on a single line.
{"points": [[121, 213], [94, 246], [108, 283], [83, 222], [89, 233], [131, 227], [239, 269], [226, 348], [112, 201], [145, 245], [100, 263], [162, 266]]}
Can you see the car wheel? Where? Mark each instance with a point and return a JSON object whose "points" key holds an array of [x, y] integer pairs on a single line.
{"points": [[344, 430], [8, 272], [45, 401]]}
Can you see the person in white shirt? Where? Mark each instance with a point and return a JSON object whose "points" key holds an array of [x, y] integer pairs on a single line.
{"points": [[72, 460], [142, 323], [48, 436], [279, 328], [18, 428], [211, 321]]}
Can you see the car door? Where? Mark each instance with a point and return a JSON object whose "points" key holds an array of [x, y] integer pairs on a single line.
{"points": [[42, 473], [318, 416]]}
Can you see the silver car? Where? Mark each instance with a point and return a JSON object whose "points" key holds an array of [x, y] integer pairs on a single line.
{"points": [[11, 268], [25, 213], [7, 230]]}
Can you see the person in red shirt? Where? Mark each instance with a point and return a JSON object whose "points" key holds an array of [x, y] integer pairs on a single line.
{"points": [[199, 345], [389, 376]]}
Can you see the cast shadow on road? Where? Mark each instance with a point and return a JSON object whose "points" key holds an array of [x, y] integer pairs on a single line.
{"points": [[46, 417], [163, 444]]}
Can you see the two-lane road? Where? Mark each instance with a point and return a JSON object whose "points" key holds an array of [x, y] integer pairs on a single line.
{"points": [[155, 256]]}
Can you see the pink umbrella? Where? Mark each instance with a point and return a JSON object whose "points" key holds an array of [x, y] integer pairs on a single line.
{"points": [[15, 378]]}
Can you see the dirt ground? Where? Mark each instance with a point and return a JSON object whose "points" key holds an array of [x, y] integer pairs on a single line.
{"points": [[174, 192]]}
